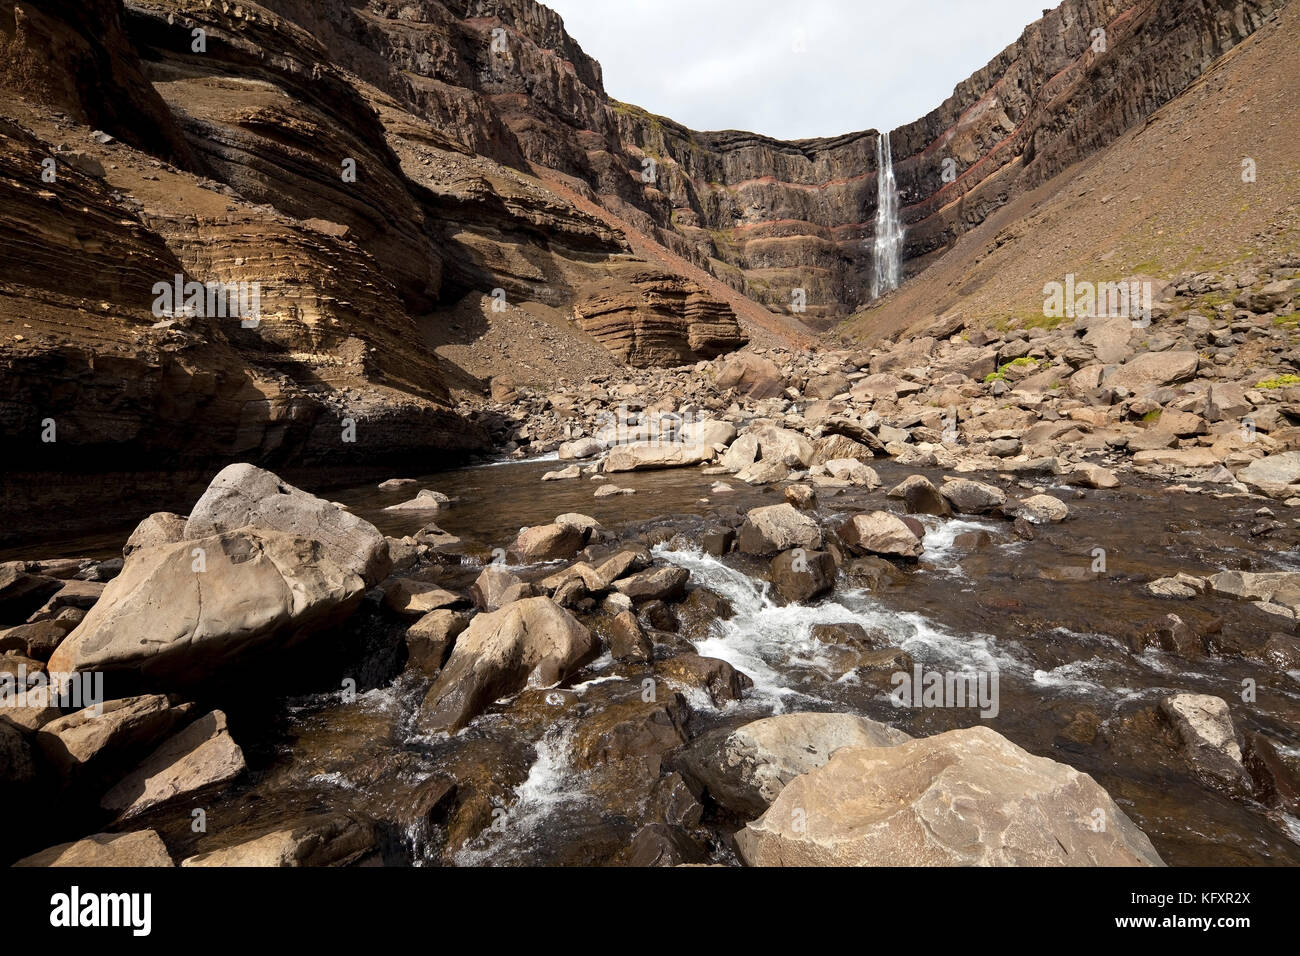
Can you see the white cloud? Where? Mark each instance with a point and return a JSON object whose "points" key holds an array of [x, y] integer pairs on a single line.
{"points": [[731, 64]]}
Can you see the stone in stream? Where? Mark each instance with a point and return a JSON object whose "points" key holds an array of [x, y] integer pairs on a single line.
{"points": [[763, 472], [920, 497], [532, 642], [580, 448], [961, 798], [183, 610], [411, 598], [1275, 772], [393, 484], [549, 542], [632, 729], [1204, 725], [799, 575], [745, 769], [776, 528], [830, 448], [660, 844], [662, 584], [627, 641], [1272, 473], [429, 640], [718, 541], [496, 586], [643, 456], [242, 495], [328, 840], [1172, 588], [719, 679], [573, 471], [1281, 587], [880, 532], [1171, 634], [200, 758], [426, 500], [142, 848], [854, 472], [972, 497], [1039, 509], [802, 497]]}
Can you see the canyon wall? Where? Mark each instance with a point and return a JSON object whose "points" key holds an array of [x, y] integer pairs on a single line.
{"points": [[767, 216]]}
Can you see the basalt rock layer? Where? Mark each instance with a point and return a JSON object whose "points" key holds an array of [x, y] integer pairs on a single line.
{"points": [[766, 216]]}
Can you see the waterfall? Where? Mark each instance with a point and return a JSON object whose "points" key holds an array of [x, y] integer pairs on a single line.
{"points": [[888, 249]]}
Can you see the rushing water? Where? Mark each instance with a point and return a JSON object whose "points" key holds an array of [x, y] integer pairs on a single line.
{"points": [[887, 251], [980, 600]]}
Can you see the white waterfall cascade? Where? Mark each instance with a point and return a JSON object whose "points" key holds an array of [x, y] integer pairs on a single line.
{"points": [[888, 248]]}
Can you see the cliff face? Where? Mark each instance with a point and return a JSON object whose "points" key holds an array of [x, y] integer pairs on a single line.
{"points": [[228, 143], [768, 216]]}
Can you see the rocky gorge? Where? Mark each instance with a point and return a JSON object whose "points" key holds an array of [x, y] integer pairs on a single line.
{"points": [[526, 524]]}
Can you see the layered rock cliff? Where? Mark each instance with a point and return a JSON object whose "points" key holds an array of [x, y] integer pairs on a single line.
{"points": [[767, 216]]}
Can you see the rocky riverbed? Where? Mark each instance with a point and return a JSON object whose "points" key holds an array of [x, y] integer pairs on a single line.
{"points": [[1024, 596]]}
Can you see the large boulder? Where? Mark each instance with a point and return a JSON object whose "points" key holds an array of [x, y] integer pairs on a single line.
{"points": [[580, 448], [99, 743], [201, 758], [709, 431], [854, 472], [920, 496], [531, 643], [1041, 509], [799, 575], [745, 769], [330, 840], [138, 849], [962, 798], [1152, 370], [880, 532], [243, 494], [645, 456], [1272, 472], [180, 611], [1204, 725], [972, 497], [832, 447], [751, 376], [781, 444], [776, 528], [497, 586], [550, 542]]}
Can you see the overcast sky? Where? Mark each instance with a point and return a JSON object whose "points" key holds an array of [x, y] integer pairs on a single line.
{"points": [[732, 64]]}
